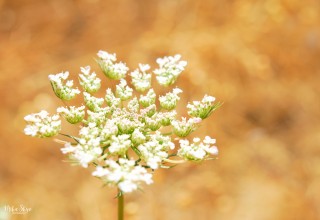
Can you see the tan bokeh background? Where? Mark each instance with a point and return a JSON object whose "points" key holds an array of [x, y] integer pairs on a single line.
{"points": [[261, 58]]}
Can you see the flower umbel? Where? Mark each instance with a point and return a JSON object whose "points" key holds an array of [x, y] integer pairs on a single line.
{"points": [[169, 69], [170, 100], [42, 125], [184, 127], [89, 82], [93, 103], [132, 131], [148, 99], [63, 91], [72, 114], [125, 174], [198, 150], [123, 91], [111, 69], [140, 79], [203, 109]]}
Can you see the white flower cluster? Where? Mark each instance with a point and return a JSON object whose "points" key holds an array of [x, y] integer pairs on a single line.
{"points": [[167, 117], [169, 69], [89, 82], [184, 127], [202, 109], [63, 91], [198, 150], [72, 114], [87, 148], [125, 136], [141, 80], [120, 144], [93, 103], [82, 154], [111, 69], [170, 100], [123, 91], [125, 174], [111, 99], [42, 125], [156, 149], [148, 99]]}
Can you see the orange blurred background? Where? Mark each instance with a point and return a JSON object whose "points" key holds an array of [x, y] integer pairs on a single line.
{"points": [[261, 58]]}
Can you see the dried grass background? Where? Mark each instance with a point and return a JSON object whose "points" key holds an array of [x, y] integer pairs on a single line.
{"points": [[261, 58]]}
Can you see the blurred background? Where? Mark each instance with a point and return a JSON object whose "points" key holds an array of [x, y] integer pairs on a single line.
{"points": [[261, 58]]}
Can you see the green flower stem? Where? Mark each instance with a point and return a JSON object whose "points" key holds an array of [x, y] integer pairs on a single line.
{"points": [[103, 157], [70, 136], [174, 161], [136, 151], [120, 205], [167, 134]]}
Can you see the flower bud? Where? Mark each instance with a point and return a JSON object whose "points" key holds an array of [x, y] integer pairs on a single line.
{"points": [[167, 117], [89, 82], [154, 122], [63, 91], [133, 105], [140, 79], [198, 150], [42, 125], [72, 114], [120, 144], [111, 100], [170, 100], [93, 103], [148, 99], [138, 137], [183, 128], [203, 109], [123, 91], [169, 69], [112, 70]]}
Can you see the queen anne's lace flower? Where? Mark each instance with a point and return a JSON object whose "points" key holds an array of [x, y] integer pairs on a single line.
{"points": [[42, 125], [140, 79], [63, 90], [204, 108], [89, 82], [153, 122], [93, 103], [127, 138], [138, 137], [167, 117], [169, 69], [125, 174], [109, 130], [148, 99], [110, 69], [170, 100], [107, 57], [120, 144], [87, 148], [185, 127], [197, 150], [123, 91], [149, 111], [155, 149], [133, 105], [97, 117], [111, 99], [72, 114], [85, 156]]}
